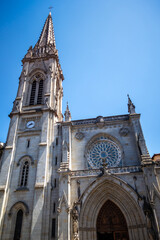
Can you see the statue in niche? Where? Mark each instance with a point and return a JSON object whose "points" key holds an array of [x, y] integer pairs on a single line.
{"points": [[47, 102], [75, 217], [17, 105]]}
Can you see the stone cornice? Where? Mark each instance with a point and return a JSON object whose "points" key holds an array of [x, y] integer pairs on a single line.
{"points": [[134, 116], [99, 121], [37, 111], [98, 172], [103, 119], [45, 57]]}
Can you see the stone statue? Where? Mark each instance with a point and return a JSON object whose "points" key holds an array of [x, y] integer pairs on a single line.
{"points": [[75, 217]]}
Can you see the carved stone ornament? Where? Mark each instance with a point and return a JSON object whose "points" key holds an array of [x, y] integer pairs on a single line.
{"points": [[100, 122], [75, 217], [124, 132], [79, 136], [47, 102]]}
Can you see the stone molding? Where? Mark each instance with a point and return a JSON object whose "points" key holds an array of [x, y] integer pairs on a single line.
{"points": [[26, 157], [96, 172], [63, 200], [116, 190], [19, 205], [105, 119]]}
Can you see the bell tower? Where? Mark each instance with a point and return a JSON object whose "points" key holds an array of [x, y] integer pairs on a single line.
{"points": [[40, 85], [26, 168]]}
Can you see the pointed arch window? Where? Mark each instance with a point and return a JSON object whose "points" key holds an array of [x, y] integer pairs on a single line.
{"points": [[24, 174], [36, 94], [18, 226], [33, 92], [40, 92]]}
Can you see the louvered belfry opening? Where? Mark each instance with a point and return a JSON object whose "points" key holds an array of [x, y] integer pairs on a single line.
{"points": [[40, 92], [24, 174], [18, 226], [33, 93], [36, 95]]}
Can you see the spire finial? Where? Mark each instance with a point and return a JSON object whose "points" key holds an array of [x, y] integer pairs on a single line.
{"points": [[67, 114], [67, 108], [131, 106], [50, 8]]}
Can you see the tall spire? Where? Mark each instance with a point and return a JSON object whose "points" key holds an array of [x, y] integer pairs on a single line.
{"points": [[47, 35], [46, 45]]}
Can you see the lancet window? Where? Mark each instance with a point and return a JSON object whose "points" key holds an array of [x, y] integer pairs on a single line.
{"points": [[18, 226], [36, 94], [40, 92], [24, 174], [33, 92]]}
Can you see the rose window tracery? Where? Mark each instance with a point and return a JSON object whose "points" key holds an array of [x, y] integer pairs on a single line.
{"points": [[103, 151]]}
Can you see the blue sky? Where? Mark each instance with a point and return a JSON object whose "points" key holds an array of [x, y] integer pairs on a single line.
{"points": [[107, 49]]}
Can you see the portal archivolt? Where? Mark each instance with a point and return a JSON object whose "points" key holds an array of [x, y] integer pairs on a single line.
{"points": [[109, 206]]}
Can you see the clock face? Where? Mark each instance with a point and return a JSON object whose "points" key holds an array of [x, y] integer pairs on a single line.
{"points": [[30, 124]]}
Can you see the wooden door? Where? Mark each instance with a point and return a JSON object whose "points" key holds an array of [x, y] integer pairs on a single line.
{"points": [[111, 224]]}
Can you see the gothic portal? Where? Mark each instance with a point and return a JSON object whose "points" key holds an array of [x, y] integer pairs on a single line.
{"points": [[89, 179], [111, 223]]}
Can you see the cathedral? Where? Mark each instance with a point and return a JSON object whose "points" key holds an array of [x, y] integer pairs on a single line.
{"points": [[90, 179]]}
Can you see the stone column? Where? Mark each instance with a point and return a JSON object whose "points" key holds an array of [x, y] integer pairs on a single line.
{"points": [[64, 186]]}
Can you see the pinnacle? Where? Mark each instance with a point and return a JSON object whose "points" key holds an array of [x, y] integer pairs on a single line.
{"points": [[67, 114], [131, 106]]}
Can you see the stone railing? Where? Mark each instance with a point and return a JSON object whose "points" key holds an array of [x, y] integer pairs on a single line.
{"points": [[96, 172]]}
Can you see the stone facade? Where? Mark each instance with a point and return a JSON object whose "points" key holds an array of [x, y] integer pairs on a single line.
{"points": [[57, 175]]}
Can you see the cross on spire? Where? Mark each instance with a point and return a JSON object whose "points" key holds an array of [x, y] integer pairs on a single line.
{"points": [[50, 8]]}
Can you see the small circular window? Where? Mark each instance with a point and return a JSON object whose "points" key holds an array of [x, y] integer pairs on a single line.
{"points": [[103, 150]]}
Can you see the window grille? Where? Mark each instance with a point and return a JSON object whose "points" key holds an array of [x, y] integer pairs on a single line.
{"points": [[33, 93], [40, 92], [18, 226], [24, 174]]}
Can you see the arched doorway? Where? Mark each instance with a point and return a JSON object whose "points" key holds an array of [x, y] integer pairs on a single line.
{"points": [[111, 224]]}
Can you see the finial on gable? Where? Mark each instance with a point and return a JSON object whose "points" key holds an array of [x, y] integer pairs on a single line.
{"points": [[67, 114], [131, 106]]}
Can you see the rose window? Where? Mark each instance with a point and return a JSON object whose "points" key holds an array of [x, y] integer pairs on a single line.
{"points": [[103, 151]]}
